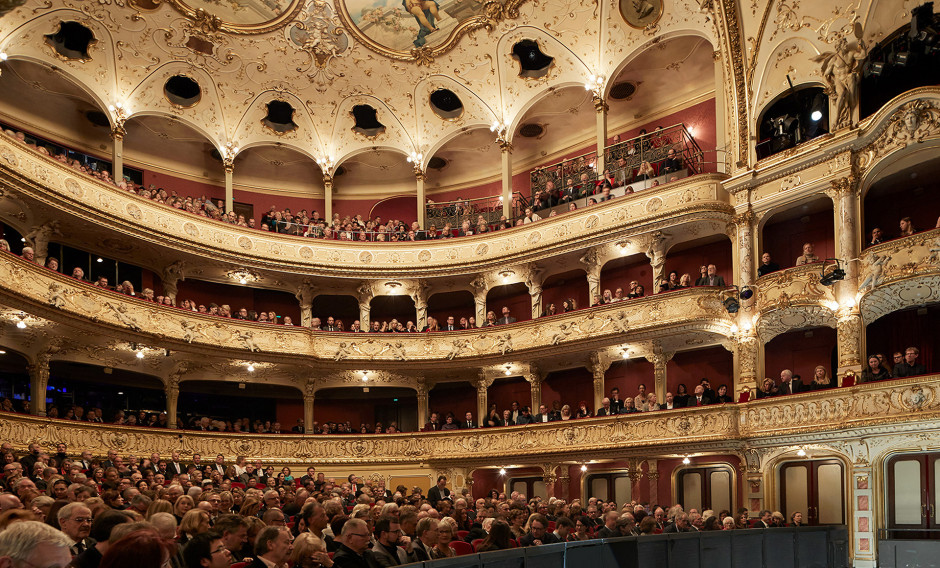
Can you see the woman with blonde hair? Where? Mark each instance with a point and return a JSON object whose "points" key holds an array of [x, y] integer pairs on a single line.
{"points": [[158, 506], [250, 507], [821, 379], [447, 528], [183, 505], [196, 521]]}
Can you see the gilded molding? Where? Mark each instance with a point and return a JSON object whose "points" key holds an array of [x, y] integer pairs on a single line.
{"points": [[732, 427], [61, 299], [900, 273]]}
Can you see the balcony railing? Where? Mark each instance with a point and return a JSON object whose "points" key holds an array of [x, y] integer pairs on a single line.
{"points": [[488, 210], [624, 159]]}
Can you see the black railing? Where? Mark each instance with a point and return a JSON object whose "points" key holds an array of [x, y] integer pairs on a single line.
{"points": [[804, 547]]}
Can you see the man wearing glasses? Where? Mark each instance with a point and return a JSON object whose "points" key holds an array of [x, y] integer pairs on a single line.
{"points": [[75, 521], [353, 551], [387, 552]]}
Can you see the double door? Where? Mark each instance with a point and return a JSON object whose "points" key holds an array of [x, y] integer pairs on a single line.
{"points": [[911, 496], [815, 488]]}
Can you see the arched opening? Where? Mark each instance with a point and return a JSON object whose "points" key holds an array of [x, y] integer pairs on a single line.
{"points": [[800, 351], [895, 332], [458, 303], [798, 116], [37, 100], [368, 406], [355, 191], [295, 177], [620, 273], [400, 307], [110, 390], [159, 144], [901, 62], [457, 398], [339, 307], [249, 403], [626, 376], [565, 286], [237, 297], [514, 297], [789, 229], [912, 192], [463, 161]]}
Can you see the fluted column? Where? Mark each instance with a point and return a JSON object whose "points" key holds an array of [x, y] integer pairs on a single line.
{"points": [[117, 156], [422, 198], [549, 478], [422, 392], [533, 282], [534, 378], [850, 336], [845, 197], [656, 252], [744, 349], [172, 397], [38, 382], [743, 268], [600, 108], [305, 295], [482, 384], [229, 165], [309, 399], [505, 149]]}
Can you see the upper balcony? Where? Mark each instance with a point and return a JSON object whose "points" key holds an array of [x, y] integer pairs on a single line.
{"points": [[38, 184]]}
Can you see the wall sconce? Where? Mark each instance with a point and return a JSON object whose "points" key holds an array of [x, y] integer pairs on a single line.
{"points": [[508, 371], [230, 150], [686, 460], [244, 276], [393, 287], [251, 367], [507, 274], [326, 164], [595, 83]]}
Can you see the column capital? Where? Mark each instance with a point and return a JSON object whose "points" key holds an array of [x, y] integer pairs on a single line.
{"points": [[504, 145], [420, 174], [600, 105], [118, 132], [229, 165]]}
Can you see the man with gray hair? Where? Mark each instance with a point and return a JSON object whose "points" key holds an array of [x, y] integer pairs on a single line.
{"points": [[353, 551], [75, 521], [34, 544], [272, 547]]}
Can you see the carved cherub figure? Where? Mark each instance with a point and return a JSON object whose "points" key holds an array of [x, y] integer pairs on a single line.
{"points": [[56, 295]]}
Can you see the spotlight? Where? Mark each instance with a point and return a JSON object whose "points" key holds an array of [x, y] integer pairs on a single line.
{"points": [[834, 275], [140, 354], [502, 471], [251, 368], [902, 58], [876, 68], [747, 293], [816, 116], [731, 304], [2, 352]]}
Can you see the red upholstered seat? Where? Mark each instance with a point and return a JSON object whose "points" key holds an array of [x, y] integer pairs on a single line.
{"points": [[475, 543], [462, 548], [462, 534]]}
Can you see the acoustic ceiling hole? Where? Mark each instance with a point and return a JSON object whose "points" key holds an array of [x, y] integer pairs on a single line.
{"points": [[72, 40], [446, 104], [280, 117], [182, 91], [366, 121], [533, 63]]}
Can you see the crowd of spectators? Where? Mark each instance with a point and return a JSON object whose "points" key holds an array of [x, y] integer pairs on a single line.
{"points": [[59, 509]]}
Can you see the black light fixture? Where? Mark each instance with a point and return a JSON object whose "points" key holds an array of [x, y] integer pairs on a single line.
{"points": [[732, 304], [834, 275], [735, 296]]}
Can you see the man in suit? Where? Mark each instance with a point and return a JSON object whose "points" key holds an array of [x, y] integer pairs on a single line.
{"points": [[910, 367], [555, 412], [468, 421], [680, 524], [112, 458], [272, 547], [330, 324], [763, 521], [75, 522], [507, 317], [710, 277], [439, 492], [434, 424], [699, 398], [515, 412], [670, 403], [609, 529], [85, 460], [616, 404], [543, 415], [175, 467], [538, 533], [450, 325], [604, 410], [787, 383], [386, 551], [299, 428], [219, 464], [427, 537]]}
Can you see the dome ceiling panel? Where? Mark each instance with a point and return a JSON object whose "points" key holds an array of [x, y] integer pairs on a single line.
{"points": [[376, 172], [347, 142], [567, 117], [281, 167], [172, 145], [472, 156]]}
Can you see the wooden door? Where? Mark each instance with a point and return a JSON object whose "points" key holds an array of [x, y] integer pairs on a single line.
{"points": [[815, 488]]}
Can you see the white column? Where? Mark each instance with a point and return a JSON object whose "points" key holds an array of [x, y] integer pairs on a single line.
{"points": [[600, 106], [422, 391], [328, 197], [505, 149], [534, 378], [38, 381], [172, 396], [309, 398], [482, 385], [422, 199], [721, 157], [117, 158], [229, 191]]}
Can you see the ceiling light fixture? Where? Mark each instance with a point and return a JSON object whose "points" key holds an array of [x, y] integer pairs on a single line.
{"points": [[801, 452], [583, 468], [140, 354], [502, 471], [3, 56], [415, 158], [686, 460], [326, 164], [21, 324], [365, 376], [244, 276], [99, 259], [251, 367], [508, 371]]}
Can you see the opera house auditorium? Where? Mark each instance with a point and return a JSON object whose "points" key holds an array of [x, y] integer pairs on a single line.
{"points": [[469, 282]]}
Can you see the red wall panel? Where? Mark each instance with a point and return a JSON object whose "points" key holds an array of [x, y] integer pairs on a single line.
{"points": [[183, 187], [504, 391], [458, 398], [784, 239], [690, 367], [402, 207], [618, 273], [692, 259], [899, 330], [262, 202], [458, 304], [569, 386], [513, 296], [627, 376], [283, 303], [917, 198], [559, 288], [800, 351], [289, 412]]}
